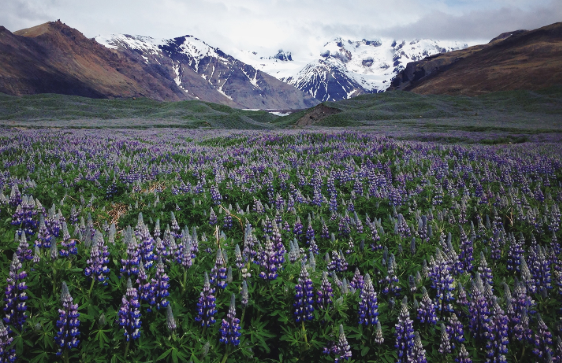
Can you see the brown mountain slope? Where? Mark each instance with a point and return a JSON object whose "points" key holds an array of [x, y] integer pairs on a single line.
{"points": [[518, 60], [55, 58]]}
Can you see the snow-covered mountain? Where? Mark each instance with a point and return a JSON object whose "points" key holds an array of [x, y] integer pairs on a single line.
{"points": [[345, 68], [200, 71]]}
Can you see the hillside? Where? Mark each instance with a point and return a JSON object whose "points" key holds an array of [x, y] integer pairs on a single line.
{"points": [[521, 60]]}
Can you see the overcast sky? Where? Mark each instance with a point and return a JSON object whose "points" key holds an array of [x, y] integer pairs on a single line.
{"points": [[295, 25]]}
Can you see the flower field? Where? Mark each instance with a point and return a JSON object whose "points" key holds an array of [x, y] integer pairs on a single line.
{"points": [[244, 246]]}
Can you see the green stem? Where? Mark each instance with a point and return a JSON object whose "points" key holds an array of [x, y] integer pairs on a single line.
{"points": [[225, 355], [184, 279], [304, 332], [242, 318], [127, 349], [91, 286], [66, 356]]}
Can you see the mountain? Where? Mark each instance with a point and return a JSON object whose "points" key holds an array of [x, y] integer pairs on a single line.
{"points": [[520, 60], [345, 68], [207, 73], [55, 58]]}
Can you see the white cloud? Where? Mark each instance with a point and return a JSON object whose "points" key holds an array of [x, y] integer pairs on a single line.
{"points": [[296, 25]]}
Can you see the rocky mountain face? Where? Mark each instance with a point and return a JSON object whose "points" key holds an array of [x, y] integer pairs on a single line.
{"points": [[345, 68], [54, 58], [523, 59], [207, 73]]}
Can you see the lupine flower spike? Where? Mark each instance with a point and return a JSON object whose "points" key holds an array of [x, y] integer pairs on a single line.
{"points": [[230, 327], [129, 313], [68, 323]]}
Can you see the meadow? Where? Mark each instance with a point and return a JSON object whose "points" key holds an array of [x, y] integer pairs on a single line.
{"points": [[177, 245]]}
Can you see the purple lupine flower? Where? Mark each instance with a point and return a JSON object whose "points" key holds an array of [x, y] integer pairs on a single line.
{"points": [[314, 247], [368, 307], [230, 327], [418, 351], [445, 344], [484, 270], [218, 272], [146, 246], [239, 262], [466, 250], [390, 282], [297, 228], [144, 290], [463, 356], [175, 227], [68, 323], [479, 312], [357, 281], [212, 218], [206, 304], [455, 330], [170, 321], [404, 335], [131, 263], [24, 252], [16, 296], [245, 296], [268, 261], [442, 282], [514, 254], [379, 339], [159, 287], [129, 313], [309, 232], [99, 258], [68, 245], [304, 297], [7, 354], [278, 246], [426, 310], [325, 232], [540, 271], [341, 349], [542, 339], [43, 236], [184, 255], [497, 334]]}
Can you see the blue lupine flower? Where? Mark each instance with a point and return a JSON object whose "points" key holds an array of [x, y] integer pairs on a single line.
{"points": [[206, 305], [245, 295], [418, 352], [479, 312], [442, 282], [463, 356], [357, 282], [466, 250], [131, 263], [497, 335], [268, 261], [368, 313], [341, 349], [144, 290], [146, 246], [218, 272], [129, 313], [404, 335], [7, 354], [304, 297], [16, 296], [230, 327], [159, 287], [325, 292], [426, 310], [24, 252], [99, 258], [170, 321], [445, 344], [542, 339], [455, 330], [68, 323], [212, 218]]}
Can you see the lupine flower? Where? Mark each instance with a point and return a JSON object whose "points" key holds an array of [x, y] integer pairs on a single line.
{"points": [[542, 339], [418, 352], [368, 313], [357, 281], [514, 254], [99, 258], [145, 291], [130, 264], [245, 295], [159, 287], [445, 344], [68, 323], [455, 330], [170, 321], [43, 236], [7, 353], [341, 349], [206, 305], [325, 293], [304, 297], [463, 356], [146, 246], [230, 327], [442, 282], [212, 218], [218, 272], [497, 335], [379, 339], [484, 270], [479, 312], [426, 310], [466, 250], [16, 296], [24, 252], [129, 313], [540, 270], [390, 282], [404, 335], [268, 261]]}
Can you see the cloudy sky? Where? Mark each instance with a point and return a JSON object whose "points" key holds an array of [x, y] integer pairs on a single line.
{"points": [[295, 25]]}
